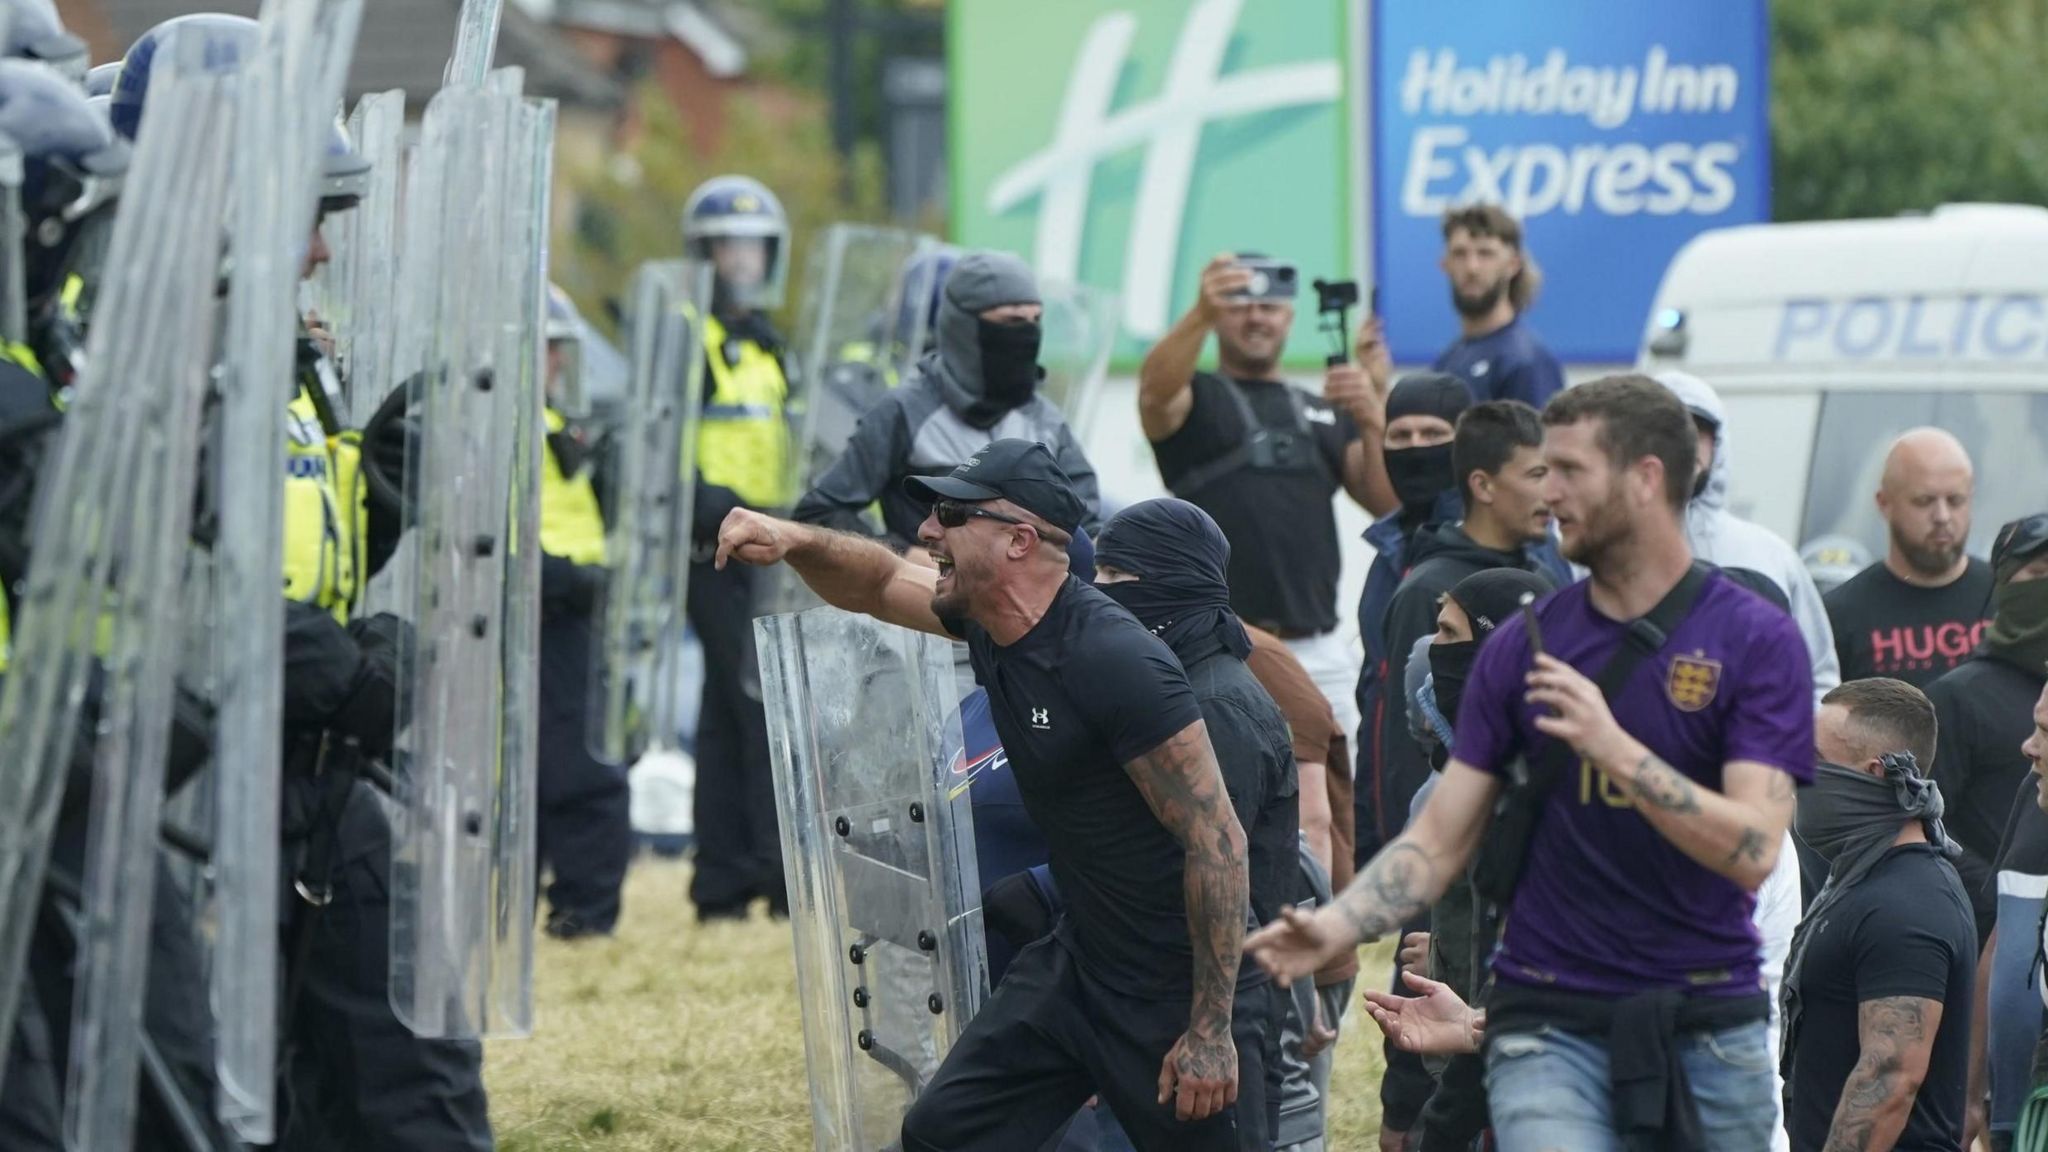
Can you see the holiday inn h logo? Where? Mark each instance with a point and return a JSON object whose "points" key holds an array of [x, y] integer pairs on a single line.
{"points": [[1121, 146]]}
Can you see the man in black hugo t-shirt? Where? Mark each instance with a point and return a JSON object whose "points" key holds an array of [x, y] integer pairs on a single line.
{"points": [[1264, 459], [1878, 987], [1136, 995], [1923, 608]]}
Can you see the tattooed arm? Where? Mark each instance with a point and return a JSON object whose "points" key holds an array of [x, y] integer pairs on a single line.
{"points": [[1897, 1037], [1406, 876], [1183, 785], [1736, 832], [849, 572]]}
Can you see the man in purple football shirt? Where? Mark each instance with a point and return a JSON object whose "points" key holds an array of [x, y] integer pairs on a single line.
{"points": [[1628, 1011]]}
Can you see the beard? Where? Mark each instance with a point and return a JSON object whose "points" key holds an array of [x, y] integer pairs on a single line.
{"points": [[1253, 367], [1473, 307], [1604, 526], [1928, 559]]}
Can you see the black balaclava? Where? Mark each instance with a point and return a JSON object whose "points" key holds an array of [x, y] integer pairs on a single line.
{"points": [[1420, 475], [2019, 622], [984, 370], [1179, 557], [1488, 598]]}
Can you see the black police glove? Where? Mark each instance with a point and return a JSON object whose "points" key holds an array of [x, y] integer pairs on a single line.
{"points": [[390, 439]]}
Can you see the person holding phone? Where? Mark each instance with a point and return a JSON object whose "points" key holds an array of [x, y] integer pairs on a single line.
{"points": [[1265, 459]]}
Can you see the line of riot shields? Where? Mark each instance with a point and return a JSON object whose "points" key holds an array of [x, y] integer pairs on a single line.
{"points": [[145, 655]]}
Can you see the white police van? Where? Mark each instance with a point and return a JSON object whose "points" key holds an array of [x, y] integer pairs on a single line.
{"points": [[1826, 340]]}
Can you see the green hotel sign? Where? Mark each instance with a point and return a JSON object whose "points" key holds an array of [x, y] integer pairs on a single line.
{"points": [[1123, 144]]}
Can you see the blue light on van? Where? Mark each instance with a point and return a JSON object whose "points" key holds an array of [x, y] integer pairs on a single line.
{"points": [[1667, 340]]}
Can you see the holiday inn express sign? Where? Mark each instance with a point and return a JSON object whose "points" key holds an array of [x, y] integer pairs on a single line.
{"points": [[1124, 143]]}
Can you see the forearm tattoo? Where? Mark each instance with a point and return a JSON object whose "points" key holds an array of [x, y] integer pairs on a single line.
{"points": [[1659, 784], [1876, 1095], [1394, 888], [1181, 782]]}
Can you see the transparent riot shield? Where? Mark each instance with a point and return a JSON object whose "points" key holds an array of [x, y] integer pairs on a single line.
{"points": [[1080, 334], [884, 896], [105, 594], [851, 337], [635, 679], [473, 283], [476, 42], [352, 295], [285, 96]]}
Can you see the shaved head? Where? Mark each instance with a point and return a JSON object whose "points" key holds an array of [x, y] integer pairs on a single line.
{"points": [[1925, 500]]}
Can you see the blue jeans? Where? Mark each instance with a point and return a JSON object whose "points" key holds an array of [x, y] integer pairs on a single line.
{"points": [[1549, 1090]]}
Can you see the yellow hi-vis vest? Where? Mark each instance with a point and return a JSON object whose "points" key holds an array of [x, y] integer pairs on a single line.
{"points": [[571, 524], [743, 443], [322, 530]]}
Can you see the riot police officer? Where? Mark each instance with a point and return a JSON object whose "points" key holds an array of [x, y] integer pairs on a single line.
{"points": [[585, 820], [736, 224], [354, 1076]]}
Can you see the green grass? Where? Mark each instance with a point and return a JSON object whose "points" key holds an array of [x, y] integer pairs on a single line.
{"points": [[676, 1036]]}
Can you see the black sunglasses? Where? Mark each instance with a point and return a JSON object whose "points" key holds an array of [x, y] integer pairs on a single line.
{"points": [[955, 514]]}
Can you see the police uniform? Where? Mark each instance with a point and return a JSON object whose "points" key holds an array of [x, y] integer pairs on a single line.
{"points": [[742, 461], [585, 827], [354, 1076]]}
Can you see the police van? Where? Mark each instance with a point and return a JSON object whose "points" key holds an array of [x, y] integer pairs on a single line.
{"points": [[1826, 340]]}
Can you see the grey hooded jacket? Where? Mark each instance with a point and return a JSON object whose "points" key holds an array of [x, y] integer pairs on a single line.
{"points": [[940, 415]]}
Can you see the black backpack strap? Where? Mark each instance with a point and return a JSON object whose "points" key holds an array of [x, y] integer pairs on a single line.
{"points": [[1202, 475]]}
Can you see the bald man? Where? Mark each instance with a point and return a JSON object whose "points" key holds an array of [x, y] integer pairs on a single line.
{"points": [[1923, 608]]}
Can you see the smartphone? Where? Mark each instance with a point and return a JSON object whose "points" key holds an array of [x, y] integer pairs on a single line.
{"points": [[1270, 280], [1530, 624]]}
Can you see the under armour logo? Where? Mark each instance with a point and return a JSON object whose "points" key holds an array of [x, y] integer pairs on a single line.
{"points": [[1040, 718]]}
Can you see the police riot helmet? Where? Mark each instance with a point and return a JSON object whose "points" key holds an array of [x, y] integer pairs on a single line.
{"points": [[221, 43], [100, 81], [565, 355], [344, 172], [35, 32], [63, 164], [739, 208], [1832, 559]]}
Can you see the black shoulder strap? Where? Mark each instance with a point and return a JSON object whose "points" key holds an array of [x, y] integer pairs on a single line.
{"points": [[1646, 636], [1202, 475]]}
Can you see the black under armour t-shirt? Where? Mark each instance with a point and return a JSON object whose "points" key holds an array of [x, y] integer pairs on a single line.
{"points": [[1086, 691], [1277, 513], [1887, 627]]}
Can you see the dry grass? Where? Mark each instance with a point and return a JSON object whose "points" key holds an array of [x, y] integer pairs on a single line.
{"points": [[675, 1036]]}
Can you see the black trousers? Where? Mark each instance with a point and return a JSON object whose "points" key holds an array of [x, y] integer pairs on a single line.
{"points": [[585, 824], [31, 1100], [177, 1022], [739, 847], [354, 1076], [1050, 1036]]}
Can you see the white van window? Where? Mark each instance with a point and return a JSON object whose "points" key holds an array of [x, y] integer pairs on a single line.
{"points": [[2005, 432]]}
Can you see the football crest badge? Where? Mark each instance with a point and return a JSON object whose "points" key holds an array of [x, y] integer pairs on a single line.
{"points": [[1693, 681]]}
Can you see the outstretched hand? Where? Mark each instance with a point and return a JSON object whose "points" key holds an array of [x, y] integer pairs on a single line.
{"points": [[1435, 1022], [1300, 943]]}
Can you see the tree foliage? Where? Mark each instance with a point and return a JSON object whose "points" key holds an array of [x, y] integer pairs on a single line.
{"points": [[626, 208], [1883, 106]]}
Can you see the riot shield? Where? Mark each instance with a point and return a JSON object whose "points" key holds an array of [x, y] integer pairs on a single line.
{"points": [[476, 42], [473, 284], [1080, 334], [850, 339], [884, 896], [352, 295], [285, 96], [634, 681], [105, 594]]}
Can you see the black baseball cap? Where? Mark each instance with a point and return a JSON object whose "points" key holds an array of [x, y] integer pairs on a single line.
{"points": [[2019, 541], [1020, 471]]}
